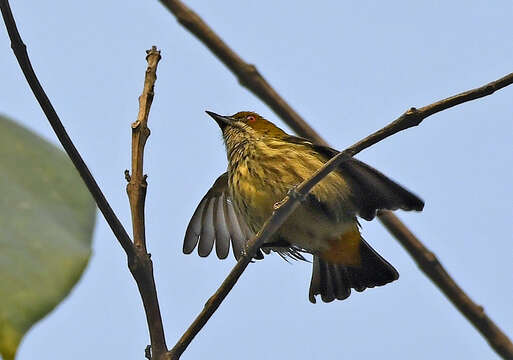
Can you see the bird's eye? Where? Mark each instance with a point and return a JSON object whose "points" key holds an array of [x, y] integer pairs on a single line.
{"points": [[250, 118]]}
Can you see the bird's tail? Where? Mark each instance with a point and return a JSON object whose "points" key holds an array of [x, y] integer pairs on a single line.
{"points": [[334, 279]]}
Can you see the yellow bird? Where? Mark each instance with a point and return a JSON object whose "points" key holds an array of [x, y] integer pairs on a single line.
{"points": [[264, 164]]}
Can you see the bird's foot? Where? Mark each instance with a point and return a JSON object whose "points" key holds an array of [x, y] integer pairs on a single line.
{"points": [[293, 194]]}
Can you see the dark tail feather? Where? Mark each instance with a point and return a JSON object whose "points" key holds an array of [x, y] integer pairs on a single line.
{"points": [[334, 281]]}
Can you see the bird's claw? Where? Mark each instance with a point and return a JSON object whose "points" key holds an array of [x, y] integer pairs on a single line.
{"points": [[293, 195]]}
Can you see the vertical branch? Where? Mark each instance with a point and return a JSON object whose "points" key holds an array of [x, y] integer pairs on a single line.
{"points": [[141, 265], [136, 187]]}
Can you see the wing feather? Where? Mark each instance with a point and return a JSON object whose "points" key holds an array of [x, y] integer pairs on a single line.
{"points": [[207, 235], [221, 231], [237, 237], [370, 189], [215, 220], [194, 229]]}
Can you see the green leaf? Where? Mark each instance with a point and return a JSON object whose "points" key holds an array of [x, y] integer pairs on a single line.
{"points": [[46, 223]]}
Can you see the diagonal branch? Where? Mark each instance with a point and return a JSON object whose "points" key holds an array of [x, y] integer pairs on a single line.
{"points": [[287, 206], [247, 74], [430, 265], [250, 78], [20, 50], [414, 117], [426, 259]]}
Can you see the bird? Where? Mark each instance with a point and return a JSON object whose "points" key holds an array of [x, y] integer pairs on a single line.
{"points": [[264, 165]]}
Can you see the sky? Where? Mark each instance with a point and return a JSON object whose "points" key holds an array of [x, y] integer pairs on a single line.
{"points": [[348, 68]]}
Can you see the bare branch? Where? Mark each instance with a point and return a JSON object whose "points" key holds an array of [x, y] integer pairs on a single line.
{"points": [[247, 74], [20, 51], [430, 265], [141, 266], [136, 187], [287, 206], [250, 78], [290, 203], [414, 117]]}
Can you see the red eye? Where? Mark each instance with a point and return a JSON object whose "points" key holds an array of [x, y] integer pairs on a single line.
{"points": [[250, 118]]}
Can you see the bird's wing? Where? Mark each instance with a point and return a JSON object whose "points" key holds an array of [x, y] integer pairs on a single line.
{"points": [[370, 189], [216, 220]]}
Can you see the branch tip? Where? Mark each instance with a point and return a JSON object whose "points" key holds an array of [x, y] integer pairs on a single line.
{"points": [[142, 267]]}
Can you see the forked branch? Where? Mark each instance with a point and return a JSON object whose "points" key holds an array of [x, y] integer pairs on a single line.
{"points": [[249, 77], [138, 259]]}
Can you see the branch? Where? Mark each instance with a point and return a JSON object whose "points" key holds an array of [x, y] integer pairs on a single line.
{"points": [[137, 185], [139, 261], [247, 74], [411, 118], [285, 209], [423, 257], [430, 265], [250, 78], [20, 51], [414, 117], [141, 265]]}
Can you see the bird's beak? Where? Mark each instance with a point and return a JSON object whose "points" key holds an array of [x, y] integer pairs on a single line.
{"points": [[222, 121]]}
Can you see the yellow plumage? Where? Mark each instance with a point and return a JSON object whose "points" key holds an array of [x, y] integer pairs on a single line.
{"points": [[264, 164], [265, 171]]}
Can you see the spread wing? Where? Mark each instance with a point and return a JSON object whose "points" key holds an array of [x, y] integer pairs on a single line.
{"points": [[370, 189], [216, 221]]}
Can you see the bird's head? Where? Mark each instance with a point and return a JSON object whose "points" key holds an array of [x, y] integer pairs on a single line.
{"points": [[246, 129]]}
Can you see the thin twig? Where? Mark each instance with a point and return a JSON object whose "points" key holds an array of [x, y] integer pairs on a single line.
{"points": [[251, 79], [142, 266], [20, 51], [136, 187], [414, 117]]}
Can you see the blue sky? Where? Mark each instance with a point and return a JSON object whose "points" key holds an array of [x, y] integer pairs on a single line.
{"points": [[349, 68]]}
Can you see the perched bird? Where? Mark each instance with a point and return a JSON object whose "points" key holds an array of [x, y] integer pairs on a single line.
{"points": [[264, 164]]}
